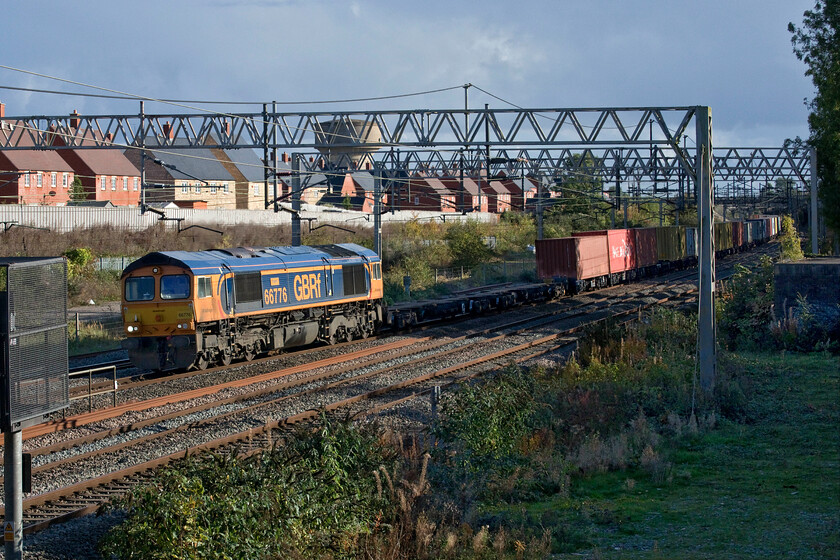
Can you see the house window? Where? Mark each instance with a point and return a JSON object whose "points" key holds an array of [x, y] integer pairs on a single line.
{"points": [[125, 183], [26, 180], [64, 180], [40, 180], [224, 188], [185, 189], [113, 183], [213, 189], [256, 190], [136, 181], [197, 189], [103, 183], [52, 180]]}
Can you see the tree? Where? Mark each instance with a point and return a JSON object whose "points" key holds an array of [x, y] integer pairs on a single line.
{"points": [[817, 44], [580, 204], [466, 243], [77, 191]]}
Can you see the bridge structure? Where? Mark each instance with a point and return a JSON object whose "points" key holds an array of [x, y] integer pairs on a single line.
{"points": [[664, 150]]}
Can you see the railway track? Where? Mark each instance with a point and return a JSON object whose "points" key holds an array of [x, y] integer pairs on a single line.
{"points": [[358, 384], [48, 507]]}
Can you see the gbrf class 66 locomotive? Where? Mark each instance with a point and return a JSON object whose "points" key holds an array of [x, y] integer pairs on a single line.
{"points": [[191, 309]]}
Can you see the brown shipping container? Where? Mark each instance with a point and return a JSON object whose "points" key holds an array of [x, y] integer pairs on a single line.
{"points": [[723, 236], [737, 234], [578, 258], [646, 254], [621, 246], [670, 243]]}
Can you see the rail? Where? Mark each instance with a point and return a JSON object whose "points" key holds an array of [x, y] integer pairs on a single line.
{"points": [[90, 393]]}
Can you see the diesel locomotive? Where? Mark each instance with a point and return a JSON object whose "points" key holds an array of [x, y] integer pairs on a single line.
{"points": [[185, 309]]}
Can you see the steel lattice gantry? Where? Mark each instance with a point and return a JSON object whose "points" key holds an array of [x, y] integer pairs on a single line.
{"points": [[644, 144]]}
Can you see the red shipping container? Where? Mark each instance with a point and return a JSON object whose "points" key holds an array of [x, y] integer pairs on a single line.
{"points": [[621, 244], [577, 258], [737, 234], [646, 251]]}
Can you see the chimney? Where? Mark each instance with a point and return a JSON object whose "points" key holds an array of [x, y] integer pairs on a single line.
{"points": [[74, 119], [2, 110], [227, 128], [167, 130], [367, 166], [285, 157], [311, 159], [109, 137]]}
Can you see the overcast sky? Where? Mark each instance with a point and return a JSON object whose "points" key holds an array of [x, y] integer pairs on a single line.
{"points": [[732, 55]]}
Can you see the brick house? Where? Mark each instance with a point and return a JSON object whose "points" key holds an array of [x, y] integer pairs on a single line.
{"points": [[474, 199], [198, 177], [105, 174], [31, 176], [427, 193]]}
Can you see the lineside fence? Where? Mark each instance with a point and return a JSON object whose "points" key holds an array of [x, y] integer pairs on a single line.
{"points": [[489, 273], [63, 219]]}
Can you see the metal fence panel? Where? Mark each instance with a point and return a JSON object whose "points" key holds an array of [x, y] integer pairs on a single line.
{"points": [[33, 328]]}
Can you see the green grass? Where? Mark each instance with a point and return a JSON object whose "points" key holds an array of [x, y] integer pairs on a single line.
{"points": [[92, 337], [765, 488]]}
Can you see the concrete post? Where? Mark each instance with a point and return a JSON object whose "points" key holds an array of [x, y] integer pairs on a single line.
{"points": [[815, 247], [296, 200], [377, 211], [13, 478]]}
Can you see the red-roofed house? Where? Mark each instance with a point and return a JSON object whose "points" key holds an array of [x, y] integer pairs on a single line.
{"points": [[31, 176], [105, 174]]}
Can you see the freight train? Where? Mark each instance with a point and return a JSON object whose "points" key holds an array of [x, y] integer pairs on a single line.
{"points": [[595, 259], [186, 310]]}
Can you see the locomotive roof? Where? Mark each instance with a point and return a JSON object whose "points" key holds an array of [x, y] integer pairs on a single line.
{"points": [[247, 259]]}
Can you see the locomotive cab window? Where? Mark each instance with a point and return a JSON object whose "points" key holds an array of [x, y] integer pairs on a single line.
{"points": [[377, 271], [204, 287], [140, 288], [174, 286]]}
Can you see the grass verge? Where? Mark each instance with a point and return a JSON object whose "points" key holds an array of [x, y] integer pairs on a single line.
{"points": [[766, 486]]}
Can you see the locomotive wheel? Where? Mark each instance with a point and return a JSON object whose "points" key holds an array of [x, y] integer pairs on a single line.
{"points": [[249, 353], [201, 361], [225, 357]]}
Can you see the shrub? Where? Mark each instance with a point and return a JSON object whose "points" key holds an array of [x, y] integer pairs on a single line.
{"points": [[745, 308], [791, 249], [79, 261], [313, 497], [466, 243]]}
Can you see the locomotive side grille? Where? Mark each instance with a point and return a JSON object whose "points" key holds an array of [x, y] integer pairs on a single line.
{"points": [[248, 287], [354, 279]]}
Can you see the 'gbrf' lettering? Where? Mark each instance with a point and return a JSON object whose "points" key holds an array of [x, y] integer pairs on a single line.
{"points": [[307, 286]]}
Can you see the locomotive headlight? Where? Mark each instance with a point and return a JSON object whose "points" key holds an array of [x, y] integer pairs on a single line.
{"points": [[131, 328]]}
